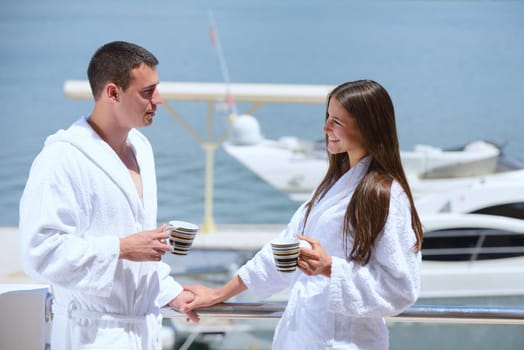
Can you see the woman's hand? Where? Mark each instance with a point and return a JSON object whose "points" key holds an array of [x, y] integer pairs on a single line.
{"points": [[182, 299], [204, 296], [314, 261]]}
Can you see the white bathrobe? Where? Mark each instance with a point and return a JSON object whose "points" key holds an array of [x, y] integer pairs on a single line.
{"points": [[78, 201], [345, 311]]}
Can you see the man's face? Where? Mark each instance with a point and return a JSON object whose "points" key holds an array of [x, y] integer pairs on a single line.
{"points": [[138, 103]]}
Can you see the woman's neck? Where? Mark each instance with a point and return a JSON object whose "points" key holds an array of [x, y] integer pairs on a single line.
{"points": [[356, 156]]}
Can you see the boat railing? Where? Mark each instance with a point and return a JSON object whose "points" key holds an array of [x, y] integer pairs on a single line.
{"points": [[474, 252], [416, 313]]}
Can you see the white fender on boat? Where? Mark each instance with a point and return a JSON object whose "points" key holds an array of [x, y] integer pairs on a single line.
{"points": [[245, 130]]}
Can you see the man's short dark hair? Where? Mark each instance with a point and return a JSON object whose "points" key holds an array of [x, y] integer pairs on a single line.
{"points": [[113, 62]]}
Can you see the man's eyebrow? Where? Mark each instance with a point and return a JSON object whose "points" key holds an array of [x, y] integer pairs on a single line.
{"points": [[149, 87]]}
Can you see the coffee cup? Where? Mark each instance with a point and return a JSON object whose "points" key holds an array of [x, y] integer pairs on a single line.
{"points": [[181, 236], [285, 253]]}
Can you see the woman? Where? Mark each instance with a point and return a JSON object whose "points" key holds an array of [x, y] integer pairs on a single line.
{"points": [[364, 231]]}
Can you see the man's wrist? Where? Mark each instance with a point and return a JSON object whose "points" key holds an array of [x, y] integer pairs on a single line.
{"points": [[122, 249]]}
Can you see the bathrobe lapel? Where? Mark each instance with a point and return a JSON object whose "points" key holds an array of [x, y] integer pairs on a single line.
{"points": [[84, 138], [340, 191]]}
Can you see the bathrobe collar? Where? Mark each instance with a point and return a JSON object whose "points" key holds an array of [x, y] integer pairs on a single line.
{"points": [[345, 186], [82, 136]]}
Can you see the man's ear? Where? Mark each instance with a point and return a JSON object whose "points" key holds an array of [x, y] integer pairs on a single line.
{"points": [[111, 91]]}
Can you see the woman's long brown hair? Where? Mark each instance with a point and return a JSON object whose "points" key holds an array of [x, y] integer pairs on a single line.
{"points": [[369, 103]]}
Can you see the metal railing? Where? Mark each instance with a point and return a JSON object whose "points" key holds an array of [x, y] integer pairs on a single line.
{"points": [[416, 313]]}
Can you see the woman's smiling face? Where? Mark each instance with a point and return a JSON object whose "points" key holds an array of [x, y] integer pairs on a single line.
{"points": [[343, 133]]}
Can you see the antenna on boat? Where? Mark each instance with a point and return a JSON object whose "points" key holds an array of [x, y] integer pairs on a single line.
{"points": [[215, 41]]}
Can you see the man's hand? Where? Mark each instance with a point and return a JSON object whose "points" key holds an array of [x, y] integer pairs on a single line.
{"points": [[145, 245], [183, 299]]}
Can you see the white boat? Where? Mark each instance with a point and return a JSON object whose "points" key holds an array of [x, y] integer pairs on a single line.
{"points": [[472, 255], [296, 167], [501, 198]]}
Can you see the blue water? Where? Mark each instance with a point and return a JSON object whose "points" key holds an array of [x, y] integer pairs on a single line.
{"points": [[453, 68]]}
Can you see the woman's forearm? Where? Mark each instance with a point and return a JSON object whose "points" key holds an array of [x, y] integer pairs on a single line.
{"points": [[230, 289]]}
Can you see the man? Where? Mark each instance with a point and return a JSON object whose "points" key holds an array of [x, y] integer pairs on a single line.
{"points": [[88, 214]]}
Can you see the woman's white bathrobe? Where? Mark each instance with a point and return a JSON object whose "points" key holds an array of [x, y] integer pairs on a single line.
{"points": [[345, 311], [79, 200]]}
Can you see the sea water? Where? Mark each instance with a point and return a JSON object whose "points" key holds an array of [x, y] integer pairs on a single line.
{"points": [[453, 69]]}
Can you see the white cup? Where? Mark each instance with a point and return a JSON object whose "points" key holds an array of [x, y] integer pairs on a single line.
{"points": [[285, 253], [181, 236]]}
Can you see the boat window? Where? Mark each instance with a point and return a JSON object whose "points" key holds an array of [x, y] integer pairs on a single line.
{"points": [[510, 245], [512, 210], [466, 244]]}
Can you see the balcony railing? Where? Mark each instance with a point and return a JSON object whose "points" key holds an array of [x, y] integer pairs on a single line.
{"points": [[416, 313]]}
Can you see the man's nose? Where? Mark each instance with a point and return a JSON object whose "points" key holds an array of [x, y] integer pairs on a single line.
{"points": [[157, 98]]}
